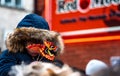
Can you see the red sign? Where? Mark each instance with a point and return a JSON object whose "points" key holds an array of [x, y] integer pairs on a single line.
{"points": [[75, 17], [72, 15]]}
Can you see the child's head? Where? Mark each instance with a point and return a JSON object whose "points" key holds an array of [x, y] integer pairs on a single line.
{"points": [[47, 41]]}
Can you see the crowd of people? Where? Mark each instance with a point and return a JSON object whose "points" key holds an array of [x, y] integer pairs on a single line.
{"points": [[93, 68], [33, 49], [97, 67]]}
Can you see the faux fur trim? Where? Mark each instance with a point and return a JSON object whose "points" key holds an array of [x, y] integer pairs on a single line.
{"points": [[17, 40]]}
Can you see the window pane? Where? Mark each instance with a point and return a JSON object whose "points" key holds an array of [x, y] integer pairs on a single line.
{"points": [[7, 1], [18, 3], [11, 3]]}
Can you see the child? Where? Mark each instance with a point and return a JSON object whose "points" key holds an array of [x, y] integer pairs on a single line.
{"points": [[30, 41]]}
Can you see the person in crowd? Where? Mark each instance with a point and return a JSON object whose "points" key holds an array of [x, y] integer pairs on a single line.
{"points": [[115, 64], [94, 66], [43, 69], [112, 70], [31, 41]]}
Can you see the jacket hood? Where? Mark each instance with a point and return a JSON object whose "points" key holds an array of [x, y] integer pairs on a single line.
{"points": [[33, 20], [17, 40]]}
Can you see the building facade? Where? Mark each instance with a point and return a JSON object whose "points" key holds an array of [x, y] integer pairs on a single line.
{"points": [[12, 11]]}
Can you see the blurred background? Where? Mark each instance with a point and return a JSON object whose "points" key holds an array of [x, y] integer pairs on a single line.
{"points": [[90, 28]]}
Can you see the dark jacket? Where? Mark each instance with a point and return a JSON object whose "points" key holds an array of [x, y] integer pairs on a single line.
{"points": [[8, 59], [29, 29]]}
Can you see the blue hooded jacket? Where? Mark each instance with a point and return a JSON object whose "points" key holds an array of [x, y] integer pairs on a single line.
{"points": [[8, 59]]}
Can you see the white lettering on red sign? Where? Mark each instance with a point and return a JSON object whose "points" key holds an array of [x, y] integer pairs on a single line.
{"points": [[83, 6]]}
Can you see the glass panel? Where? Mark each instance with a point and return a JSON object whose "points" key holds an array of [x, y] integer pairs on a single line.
{"points": [[7, 1], [18, 3]]}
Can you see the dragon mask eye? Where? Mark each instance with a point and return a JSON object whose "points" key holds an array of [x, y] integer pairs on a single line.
{"points": [[47, 50]]}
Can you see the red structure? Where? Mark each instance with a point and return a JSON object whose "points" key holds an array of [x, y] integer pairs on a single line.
{"points": [[90, 29]]}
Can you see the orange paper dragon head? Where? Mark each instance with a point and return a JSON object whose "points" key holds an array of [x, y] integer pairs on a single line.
{"points": [[47, 50]]}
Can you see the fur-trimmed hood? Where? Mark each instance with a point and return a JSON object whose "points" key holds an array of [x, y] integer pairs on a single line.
{"points": [[16, 41]]}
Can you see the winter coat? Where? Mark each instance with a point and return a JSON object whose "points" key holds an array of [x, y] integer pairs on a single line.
{"points": [[30, 29]]}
